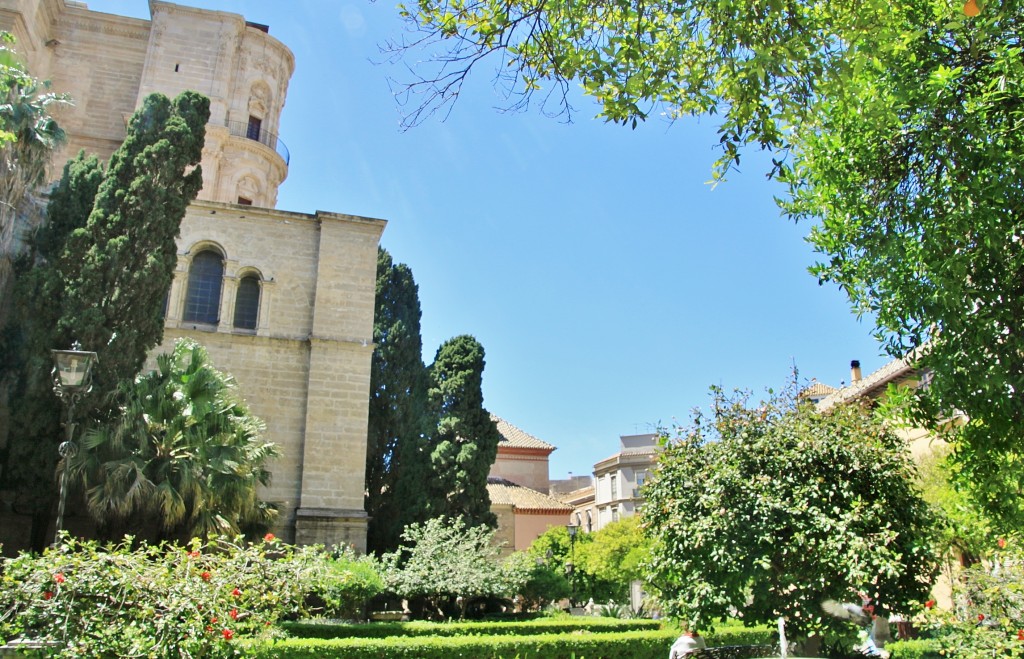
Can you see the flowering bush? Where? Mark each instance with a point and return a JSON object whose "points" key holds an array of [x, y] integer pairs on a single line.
{"points": [[349, 582], [159, 600], [987, 619]]}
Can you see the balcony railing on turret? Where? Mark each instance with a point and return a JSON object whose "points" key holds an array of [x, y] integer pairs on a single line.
{"points": [[261, 135]]}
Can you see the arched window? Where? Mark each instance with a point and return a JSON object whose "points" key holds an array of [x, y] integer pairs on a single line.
{"points": [[202, 303], [247, 303]]}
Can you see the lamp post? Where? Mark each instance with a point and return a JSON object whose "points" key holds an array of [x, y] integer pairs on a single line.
{"points": [[572, 529], [72, 372]]}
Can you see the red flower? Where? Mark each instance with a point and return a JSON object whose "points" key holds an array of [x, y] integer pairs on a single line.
{"points": [[205, 576], [227, 634], [981, 616], [234, 614], [270, 537], [193, 554], [47, 595], [236, 593], [59, 577], [1020, 634], [213, 620], [929, 604], [209, 628], [1001, 542]]}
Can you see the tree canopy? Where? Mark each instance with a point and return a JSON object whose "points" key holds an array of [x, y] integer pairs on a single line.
{"points": [[895, 128], [765, 510]]}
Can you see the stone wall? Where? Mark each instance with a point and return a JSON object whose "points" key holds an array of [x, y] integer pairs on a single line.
{"points": [[306, 369]]}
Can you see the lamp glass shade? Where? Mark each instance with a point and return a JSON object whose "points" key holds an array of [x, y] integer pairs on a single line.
{"points": [[571, 528], [73, 366]]}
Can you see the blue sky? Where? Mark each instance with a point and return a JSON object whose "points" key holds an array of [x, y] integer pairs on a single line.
{"points": [[609, 284]]}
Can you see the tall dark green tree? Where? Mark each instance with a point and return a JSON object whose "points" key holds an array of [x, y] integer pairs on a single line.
{"points": [[118, 268], [465, 442], [24, 350], [396, 456], [104, 284]]}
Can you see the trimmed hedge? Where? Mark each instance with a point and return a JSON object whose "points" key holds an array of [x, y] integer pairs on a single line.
{"points": [[449, 629], [920, 648], [646, 644], [742, 636]]}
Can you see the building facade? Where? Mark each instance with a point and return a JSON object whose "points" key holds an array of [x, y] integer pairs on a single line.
{"points": [[283, 301], [517, 486], [618, 479]]}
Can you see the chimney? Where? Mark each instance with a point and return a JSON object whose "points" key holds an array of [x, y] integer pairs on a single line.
{"points": [[855, 371]]}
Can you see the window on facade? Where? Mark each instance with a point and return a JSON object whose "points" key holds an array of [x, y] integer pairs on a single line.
{"points": [[615, 513], [202, 302], [590, 522], [242, 201], [247, 303], [615, 486], [253, 130]]}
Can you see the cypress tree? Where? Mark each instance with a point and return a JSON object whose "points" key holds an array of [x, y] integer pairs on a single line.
{"points": [[118, 268], [398, 416], [465, 443], [102, 270]]}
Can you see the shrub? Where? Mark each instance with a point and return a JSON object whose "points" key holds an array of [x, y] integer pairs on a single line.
{"points": [[348, 583], [166, 600], [918, 648], [988, 614], [526, 628], [653, 644]]}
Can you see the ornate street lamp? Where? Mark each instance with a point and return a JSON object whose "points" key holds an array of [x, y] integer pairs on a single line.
{"points": [[72, 374], [571, 567]]}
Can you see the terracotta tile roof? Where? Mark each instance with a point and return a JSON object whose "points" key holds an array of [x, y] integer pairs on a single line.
{"points": [[816, 389], [872, 383], [513, 437], [507, 493]]}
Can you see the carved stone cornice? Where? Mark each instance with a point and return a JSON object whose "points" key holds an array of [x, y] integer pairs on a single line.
{"points": [[105, 24]]}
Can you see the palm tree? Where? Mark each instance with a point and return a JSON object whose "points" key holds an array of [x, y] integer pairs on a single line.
{"points": [[185, 452], [28, 137]]}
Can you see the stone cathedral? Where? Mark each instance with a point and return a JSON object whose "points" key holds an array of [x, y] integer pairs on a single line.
{"points": [[283, 301]]}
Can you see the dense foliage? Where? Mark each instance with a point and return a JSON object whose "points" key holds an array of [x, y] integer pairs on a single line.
{"points": [[987, 619], [912, 174], [465, 443], [765, 510], [184, 458], [104, 268], [612, 645], [166, 600], [555, 552], [447, 564], [396, 464], [562, 624], [615, 556], [963, 532]]}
